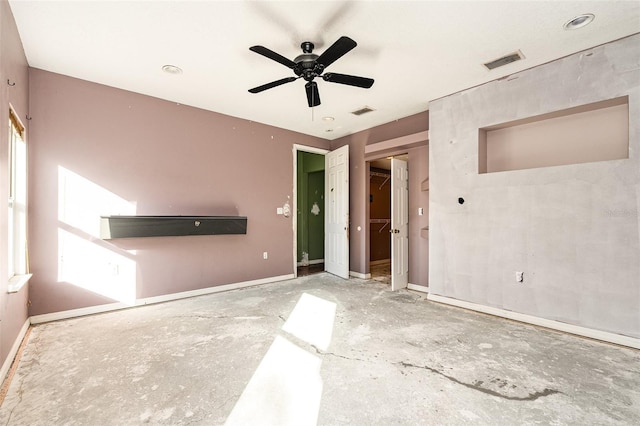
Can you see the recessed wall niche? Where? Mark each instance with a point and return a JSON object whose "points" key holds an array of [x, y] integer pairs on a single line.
{"points": [[594, 132]]}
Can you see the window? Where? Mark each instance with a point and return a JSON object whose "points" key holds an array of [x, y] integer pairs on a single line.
{"points": [[17, 218]]}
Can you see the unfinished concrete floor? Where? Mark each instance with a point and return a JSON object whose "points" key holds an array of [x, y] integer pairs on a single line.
{"points": [[316, 350]]}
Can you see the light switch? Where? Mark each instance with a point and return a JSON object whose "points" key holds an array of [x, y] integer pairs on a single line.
{"points": [[280, 210], [420, 211]]}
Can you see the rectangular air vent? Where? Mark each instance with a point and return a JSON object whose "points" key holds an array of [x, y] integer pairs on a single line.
{"points": [[500, 62], [362, 110]]}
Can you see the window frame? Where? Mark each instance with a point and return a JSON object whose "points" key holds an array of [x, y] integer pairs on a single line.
{"points": [[17, 265]]}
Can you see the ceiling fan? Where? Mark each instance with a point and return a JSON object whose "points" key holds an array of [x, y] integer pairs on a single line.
{"points": [[309, 66]]}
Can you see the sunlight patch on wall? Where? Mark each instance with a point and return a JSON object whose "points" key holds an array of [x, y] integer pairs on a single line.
{"points": [[98, 269], [82, 202], [84, 260]]}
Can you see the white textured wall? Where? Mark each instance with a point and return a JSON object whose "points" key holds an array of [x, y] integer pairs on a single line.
{"points": [[574, 230]]}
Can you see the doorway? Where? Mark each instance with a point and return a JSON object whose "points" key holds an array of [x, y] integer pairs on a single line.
{"points": [[309, 213], [388, 221], [325, 210]]}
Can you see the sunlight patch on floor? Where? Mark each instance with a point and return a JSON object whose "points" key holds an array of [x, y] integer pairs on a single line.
{"points": [[312, 321], [286, 388]]}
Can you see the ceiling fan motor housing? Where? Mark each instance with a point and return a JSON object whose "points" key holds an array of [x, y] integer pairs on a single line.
{"points": [[306, 66]]}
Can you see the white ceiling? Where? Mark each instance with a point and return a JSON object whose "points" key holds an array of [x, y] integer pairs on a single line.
{"points": [[415, 50]]}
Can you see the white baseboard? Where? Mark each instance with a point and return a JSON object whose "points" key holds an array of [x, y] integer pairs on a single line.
{"points": [[359, 275], [605, 336], [55, 316], [6, 365], [379, 262], [312, 262], [416, 287]]}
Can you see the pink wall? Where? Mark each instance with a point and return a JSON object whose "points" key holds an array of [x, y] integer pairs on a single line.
{"points": [[160, 158], [13, 67], [359, 181], [94, 147]]}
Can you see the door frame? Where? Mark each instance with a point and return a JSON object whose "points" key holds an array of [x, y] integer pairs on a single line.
{"points": [[294, 209], [368, 160]]}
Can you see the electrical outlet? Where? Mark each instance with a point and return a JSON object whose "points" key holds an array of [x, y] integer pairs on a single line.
{"points": [[519, 277], [265, 255]]}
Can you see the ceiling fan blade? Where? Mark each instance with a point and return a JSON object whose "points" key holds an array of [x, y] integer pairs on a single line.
{"points": [[335, 51], [273, 56], [350, 80], [272, 84], [313, 96]]}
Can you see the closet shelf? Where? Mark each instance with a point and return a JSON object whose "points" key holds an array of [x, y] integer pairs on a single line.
{"points": [[379, 220], [385, 222], [386, 177]]}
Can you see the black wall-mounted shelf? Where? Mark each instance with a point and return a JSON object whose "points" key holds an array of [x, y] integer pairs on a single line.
{"points": [[170, 226]]}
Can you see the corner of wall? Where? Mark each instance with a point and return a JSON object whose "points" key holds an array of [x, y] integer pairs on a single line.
{"points": [[14, 91]]}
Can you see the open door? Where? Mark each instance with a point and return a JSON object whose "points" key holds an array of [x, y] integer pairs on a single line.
{"points": [[336, 207], [399, 224]]}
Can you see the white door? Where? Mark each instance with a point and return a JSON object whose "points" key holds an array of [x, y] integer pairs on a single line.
{"points": [[399, 224], [336, 212]]}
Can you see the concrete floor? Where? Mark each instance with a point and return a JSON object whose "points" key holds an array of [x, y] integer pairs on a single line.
{"points": [[316, 350]]}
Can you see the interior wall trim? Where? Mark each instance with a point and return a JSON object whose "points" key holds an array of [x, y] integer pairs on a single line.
{"points": [[417, 287], [311, 262], [73, 313], [604, 336], [359, 275], [403, 142], [6, 365]]}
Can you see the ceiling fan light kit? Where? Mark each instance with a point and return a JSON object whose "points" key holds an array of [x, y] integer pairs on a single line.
{"points": [[308, 66]]}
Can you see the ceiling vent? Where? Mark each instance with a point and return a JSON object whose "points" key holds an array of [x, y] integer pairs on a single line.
{"points": [[362, 110], [500, 62]]}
